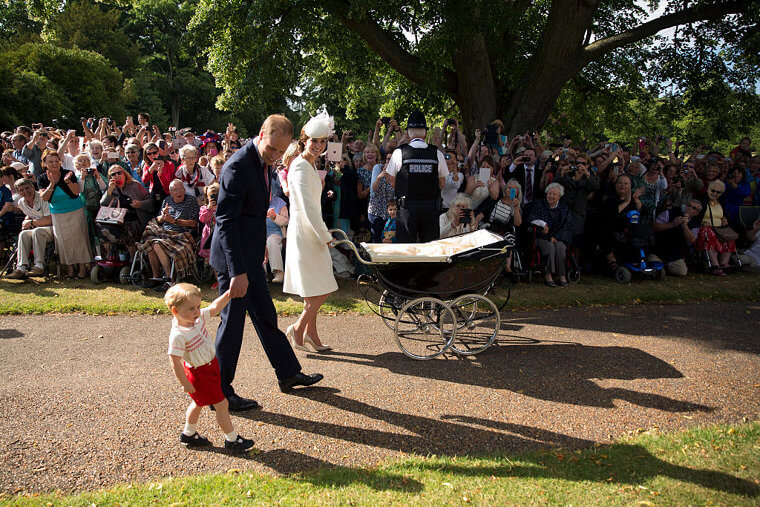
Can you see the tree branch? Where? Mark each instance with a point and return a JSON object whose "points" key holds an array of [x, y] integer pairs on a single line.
{"points": [[386, 46], [699, 12]]}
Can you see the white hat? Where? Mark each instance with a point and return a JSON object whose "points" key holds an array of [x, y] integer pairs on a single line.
{"points": [[18, 166], [321, 125]]}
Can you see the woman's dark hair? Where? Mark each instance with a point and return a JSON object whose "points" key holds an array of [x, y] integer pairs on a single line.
{"points": [[147, 147], [10, 171], [302, 141], [488, 159]]}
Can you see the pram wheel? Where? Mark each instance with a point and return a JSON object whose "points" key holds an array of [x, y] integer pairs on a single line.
{"points": [[622, 275], [124, 275], [574, 276], [97, 274], [425, 328], [478, 324]]}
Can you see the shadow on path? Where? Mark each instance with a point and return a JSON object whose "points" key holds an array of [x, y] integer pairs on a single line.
{"points": [[558, 372]]}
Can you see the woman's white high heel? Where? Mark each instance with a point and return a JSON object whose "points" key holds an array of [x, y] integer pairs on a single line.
{"points": [[319, 348], [290, 333]]}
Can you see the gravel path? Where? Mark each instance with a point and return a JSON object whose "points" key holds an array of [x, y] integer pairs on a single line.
{"points": [[89, 402]]}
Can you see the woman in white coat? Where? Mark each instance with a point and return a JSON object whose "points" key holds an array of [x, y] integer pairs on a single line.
{"points": [[308, 265]]}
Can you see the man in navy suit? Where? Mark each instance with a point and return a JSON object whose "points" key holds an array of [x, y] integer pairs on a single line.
{"points": [[237, 255]]}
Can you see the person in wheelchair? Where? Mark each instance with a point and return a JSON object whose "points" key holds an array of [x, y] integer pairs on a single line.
{"points": [[502, 215], [169, 237], [36, 231], [124, 192], [624, 233], [555, 228]]}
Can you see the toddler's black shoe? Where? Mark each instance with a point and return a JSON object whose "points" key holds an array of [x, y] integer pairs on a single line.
{"points": [[194, 440], [240, 444]]}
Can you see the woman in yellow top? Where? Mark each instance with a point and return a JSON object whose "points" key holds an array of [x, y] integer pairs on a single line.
{"points": [[719, 251]]}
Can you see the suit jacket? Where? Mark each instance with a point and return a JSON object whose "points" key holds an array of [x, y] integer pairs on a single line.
{"points": [[239, 238], [519, 175]]}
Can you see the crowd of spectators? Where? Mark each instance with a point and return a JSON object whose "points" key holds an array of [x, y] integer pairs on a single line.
{"points": [[602, 202]]}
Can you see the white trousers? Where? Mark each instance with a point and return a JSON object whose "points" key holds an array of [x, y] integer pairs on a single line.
{"points": [[274, 250], [33, 240]]}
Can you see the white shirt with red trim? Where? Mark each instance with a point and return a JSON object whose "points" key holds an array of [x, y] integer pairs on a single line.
{"points": [[193, 344]]}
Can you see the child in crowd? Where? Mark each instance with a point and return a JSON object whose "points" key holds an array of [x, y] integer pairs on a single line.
{"points": [[207, 216], [389, 231], [191, 350]]}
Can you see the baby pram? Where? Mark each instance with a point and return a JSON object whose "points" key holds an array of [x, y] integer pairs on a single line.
{"points": [[433, 295]]}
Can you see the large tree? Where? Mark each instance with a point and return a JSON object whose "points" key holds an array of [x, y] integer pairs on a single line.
{"points": [[508, 60]]}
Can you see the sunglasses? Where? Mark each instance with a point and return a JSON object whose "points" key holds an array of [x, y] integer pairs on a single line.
{"points": [[151, 153]]}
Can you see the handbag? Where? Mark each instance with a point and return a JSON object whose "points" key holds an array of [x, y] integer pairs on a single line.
{"points": [[726, 233], [113, 216], [723, 232]]}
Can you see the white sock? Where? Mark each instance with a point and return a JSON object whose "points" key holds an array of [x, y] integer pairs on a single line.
{"points": [[231, 436], [189, 429]]}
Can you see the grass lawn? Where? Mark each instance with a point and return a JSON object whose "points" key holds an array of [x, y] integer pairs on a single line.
{"points": [[716, 465], [52, 296]]}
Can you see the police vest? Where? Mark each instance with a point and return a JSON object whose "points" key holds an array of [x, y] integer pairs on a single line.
{"points": [[417, 180]]}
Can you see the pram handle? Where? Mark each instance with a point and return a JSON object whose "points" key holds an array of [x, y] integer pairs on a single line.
{"points": [[350, 244]]}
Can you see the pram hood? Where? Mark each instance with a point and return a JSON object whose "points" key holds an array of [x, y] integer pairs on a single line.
{"points": [[441, 250]]}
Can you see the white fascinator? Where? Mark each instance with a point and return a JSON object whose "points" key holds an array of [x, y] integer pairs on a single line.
{"points": [[321, 125]]}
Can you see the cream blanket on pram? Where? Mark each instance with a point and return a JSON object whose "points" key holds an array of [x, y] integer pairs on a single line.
{"points": [[434, 251]]}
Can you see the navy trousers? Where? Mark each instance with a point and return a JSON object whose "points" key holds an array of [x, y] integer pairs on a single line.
{"points": [[229, 337], [417, 222]]}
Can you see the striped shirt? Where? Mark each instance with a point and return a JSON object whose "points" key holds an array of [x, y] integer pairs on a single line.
{"points": [[193, 344]]}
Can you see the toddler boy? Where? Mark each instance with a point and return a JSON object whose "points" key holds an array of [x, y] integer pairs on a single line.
{"points": [[389, 231], [193, 359]]}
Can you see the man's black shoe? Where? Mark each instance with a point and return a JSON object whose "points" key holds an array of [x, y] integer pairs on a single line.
{"points": [[240, 444], [239, 404], [299, 379], [194, 440]]}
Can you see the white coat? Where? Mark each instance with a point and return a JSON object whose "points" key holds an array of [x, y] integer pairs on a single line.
{"points": [[308, 265]]}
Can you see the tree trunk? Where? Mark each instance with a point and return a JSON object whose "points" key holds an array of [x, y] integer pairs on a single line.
{"points": [[476, 91], [559, 57]]}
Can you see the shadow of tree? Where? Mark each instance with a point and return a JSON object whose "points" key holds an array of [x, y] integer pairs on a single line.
{"points": [[10, 333], [560, 372], [304, 468], [623, 464], [421, 435], [703, 322]]}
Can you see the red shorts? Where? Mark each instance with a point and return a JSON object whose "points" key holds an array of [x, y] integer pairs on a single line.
{"points": [[207, 383]]}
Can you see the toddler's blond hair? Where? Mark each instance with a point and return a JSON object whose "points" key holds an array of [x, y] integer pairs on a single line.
{"points": [[180, 294]]}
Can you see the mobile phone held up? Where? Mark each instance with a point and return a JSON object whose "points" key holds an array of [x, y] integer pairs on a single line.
{"points": [[512, 193]]}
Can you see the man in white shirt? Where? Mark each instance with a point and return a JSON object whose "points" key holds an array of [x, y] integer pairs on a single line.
{"points": [[418, 173], [36, 231]]}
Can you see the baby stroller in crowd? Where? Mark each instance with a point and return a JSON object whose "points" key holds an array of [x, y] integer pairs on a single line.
{"points": [[629, 249]]}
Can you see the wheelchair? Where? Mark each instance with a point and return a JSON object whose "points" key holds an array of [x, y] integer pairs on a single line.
{"points": [[140, 272], [9, 258], [529, 262], [629, 250], [116, 262]]}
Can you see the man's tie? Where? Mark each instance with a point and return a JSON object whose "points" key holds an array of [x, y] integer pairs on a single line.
{"points": [[528, 184]]}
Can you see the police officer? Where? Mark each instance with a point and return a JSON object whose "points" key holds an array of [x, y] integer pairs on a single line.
{"points": [[418, 173]]}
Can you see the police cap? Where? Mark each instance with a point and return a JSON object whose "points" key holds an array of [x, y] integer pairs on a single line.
{"points": [[416, 121]]}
